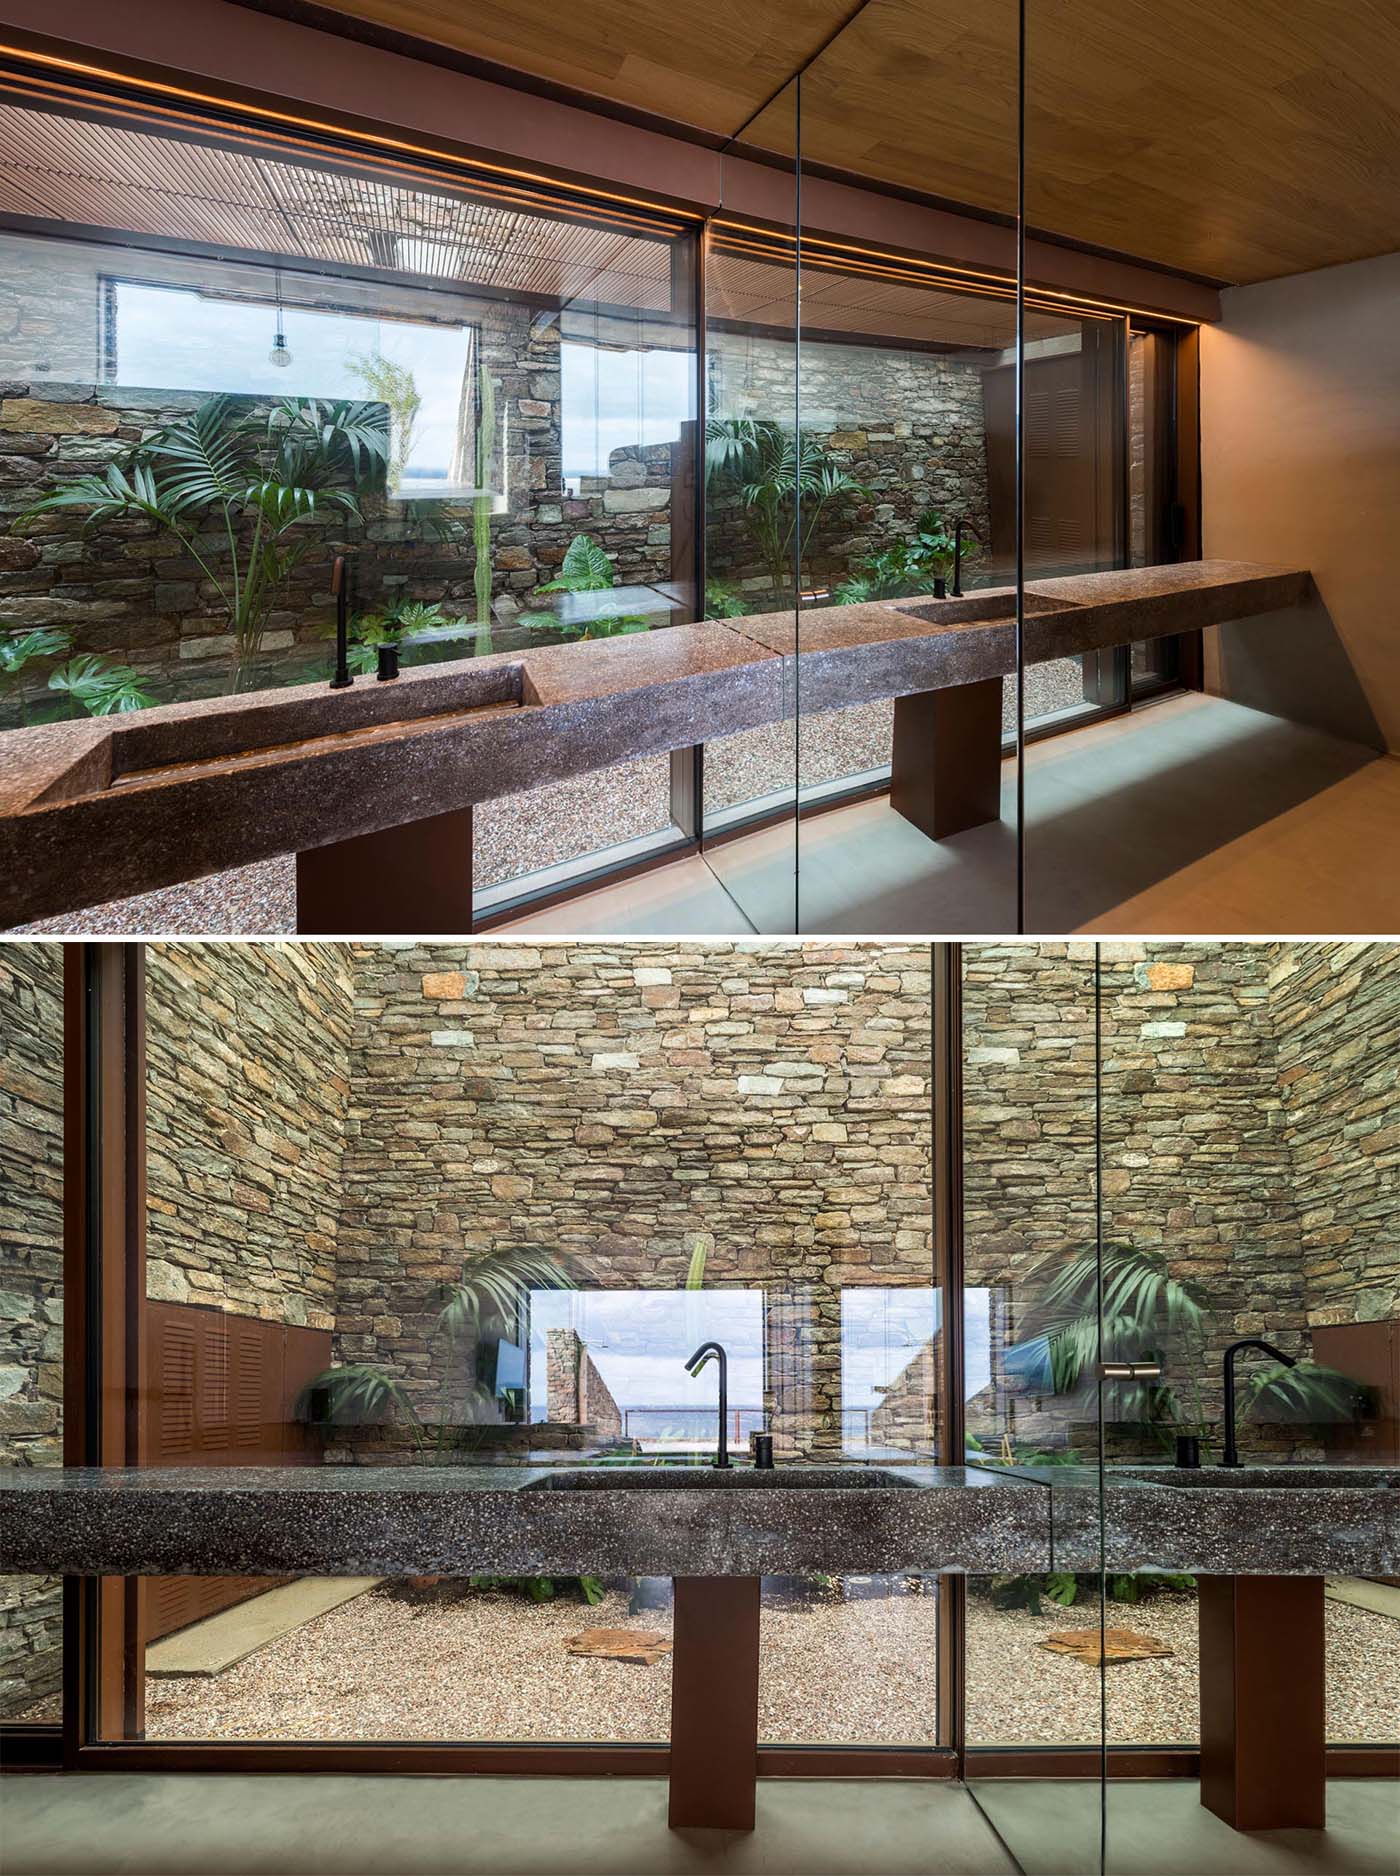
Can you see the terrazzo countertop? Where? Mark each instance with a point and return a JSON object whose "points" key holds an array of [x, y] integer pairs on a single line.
{"points": [[458, 1520], [664, 1521], [101, 809], [1290, 1520]]}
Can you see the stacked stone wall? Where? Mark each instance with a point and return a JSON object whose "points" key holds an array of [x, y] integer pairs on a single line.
{"points": [[619, 1105], [247, 1081], [908, 426], [31, 1291], [1336, 1011]]}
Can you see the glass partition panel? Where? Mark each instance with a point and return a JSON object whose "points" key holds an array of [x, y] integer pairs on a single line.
{"points": [[754, 524], [31, 1302], [489, 391], [1248, 1094], [907, 315], [477, 1204], [1034, 1399]]}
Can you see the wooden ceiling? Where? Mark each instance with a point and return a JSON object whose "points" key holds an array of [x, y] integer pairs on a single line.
{"points": [[1236, 139]]}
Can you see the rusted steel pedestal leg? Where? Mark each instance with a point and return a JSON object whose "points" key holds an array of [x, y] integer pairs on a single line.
{"points": [[714, 1703], [946, 770], [1263, 1719], [415, 879]]}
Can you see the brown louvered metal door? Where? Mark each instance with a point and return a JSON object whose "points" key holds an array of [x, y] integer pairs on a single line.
{"points": [[221, 1391]]}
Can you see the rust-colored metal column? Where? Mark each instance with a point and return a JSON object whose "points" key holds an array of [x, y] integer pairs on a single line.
{"points": [[714, 1703], [946, 770], [1263, 1719], [416, 878]]}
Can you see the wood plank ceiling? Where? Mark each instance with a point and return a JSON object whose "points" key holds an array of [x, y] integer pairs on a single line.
{"points": [[1237, 139]]}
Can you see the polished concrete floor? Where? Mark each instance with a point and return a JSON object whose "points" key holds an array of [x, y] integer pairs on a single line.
{"points": [[1193, 816], [110, 1824]]}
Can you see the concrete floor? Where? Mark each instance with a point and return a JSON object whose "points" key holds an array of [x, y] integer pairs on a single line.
{"points": [[1193, 816], [112, 1824]]}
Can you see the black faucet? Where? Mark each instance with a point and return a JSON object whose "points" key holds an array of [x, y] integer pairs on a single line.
{"points": [[711, 1351], [956, 592], [340, 586], [1231, 1457]]}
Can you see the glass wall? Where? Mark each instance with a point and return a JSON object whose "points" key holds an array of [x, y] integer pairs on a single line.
{"points": [[31, 1301], [483, 398], [478, 1204]]}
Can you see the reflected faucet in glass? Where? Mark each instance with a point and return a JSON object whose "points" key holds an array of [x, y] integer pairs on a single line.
{"points": [[711, 1351]]}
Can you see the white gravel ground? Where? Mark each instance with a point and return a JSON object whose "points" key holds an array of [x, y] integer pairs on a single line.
{"points": [[446, 1665]]}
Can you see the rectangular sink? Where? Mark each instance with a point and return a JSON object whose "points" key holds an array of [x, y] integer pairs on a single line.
{"points": [[1257, 1478], [305, 719], [994, 606], [710, 1478]]}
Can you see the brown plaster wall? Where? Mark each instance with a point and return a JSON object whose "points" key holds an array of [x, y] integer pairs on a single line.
{"points": [[1300, 465]]}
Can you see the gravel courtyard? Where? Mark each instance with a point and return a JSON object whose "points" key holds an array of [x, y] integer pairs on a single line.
{"points": [[448, 1663]]}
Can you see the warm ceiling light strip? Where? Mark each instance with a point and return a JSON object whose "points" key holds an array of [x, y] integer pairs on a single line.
{"points": [[932, 279], [826, 252], [356, 139]]}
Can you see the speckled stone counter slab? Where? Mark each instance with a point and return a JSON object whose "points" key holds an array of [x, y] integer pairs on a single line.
{"points": [[456, 1520], [1258, 1520], [101, 809]]}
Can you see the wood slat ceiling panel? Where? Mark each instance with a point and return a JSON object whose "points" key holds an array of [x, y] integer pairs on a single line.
{"points": [[98, 175], [709, 64], [1238, 139]]}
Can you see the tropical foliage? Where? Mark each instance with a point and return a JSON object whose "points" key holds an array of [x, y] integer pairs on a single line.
{"points": [[786, 481], [907, 567], [236, 487], [586, 568], [485, 1302], [1130, 1306], [94, 684]]}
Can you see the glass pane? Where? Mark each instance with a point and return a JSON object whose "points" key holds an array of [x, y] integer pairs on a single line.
{"points": [[651, 1146], [753, 523], [1032, 1264], [1281, 1231], [31, 1300], [511, 461]]}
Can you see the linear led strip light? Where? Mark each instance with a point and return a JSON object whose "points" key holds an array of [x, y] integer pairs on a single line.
{"points": [[947, 276], [162, 103]]}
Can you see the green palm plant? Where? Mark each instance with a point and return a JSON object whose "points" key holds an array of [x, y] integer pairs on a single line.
{"points": [[253, 480], [786, 480], [486, 1300], [1140, 1310]]}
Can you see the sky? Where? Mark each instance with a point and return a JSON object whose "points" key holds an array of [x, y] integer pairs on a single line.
{"points": [[169, 338]]}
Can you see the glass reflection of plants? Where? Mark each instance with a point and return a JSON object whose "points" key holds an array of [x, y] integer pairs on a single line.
{"points": [[1135, 1309], [766, 465], [235, 488], [478, 1311], [907, 568], [586, 568]]}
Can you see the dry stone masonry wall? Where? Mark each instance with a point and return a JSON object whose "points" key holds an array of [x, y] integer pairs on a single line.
{"points": [[247, 1081], [31, 1291]]}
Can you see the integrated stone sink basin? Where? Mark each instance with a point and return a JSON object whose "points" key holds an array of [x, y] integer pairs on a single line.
{"points": [[1264, 1478], [713, 1478], [230, 736], [996, 605]]}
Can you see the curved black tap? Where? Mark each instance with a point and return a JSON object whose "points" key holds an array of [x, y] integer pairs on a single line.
{"points": [[711, 1351], [1230, 1457]]}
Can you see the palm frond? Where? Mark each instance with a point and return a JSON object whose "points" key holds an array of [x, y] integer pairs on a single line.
{"points": [[204, 456], [1307, 1394], [359, 1390], [493, 1289]]}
